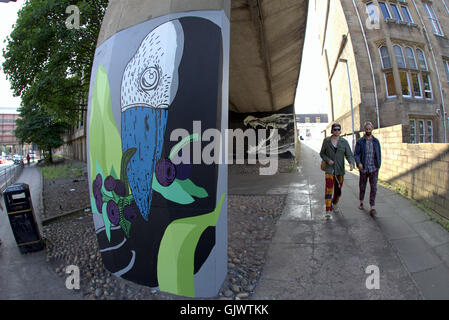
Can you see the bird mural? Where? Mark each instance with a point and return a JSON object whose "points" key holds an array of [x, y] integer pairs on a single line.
{"points": [[149, 86], [156, 218]]}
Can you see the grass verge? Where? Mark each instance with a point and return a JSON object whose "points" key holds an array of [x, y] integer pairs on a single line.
{"points": [[62, 170]]}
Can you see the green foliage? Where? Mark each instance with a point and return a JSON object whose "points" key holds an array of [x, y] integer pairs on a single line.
{"points": [[40, 128], [48, 64], [62, 171], [401, 189], [440, 220]]}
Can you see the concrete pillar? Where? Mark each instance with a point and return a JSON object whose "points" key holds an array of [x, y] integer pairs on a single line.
{"points": [[159, 84]]}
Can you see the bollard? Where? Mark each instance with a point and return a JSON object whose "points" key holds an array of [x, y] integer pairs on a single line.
{"points": [[159, 87]]}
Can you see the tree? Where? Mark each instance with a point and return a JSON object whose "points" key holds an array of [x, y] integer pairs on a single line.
{"points": [[49, 64], [34, 125]]}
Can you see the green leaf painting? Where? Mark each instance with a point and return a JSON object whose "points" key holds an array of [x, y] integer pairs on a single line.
{"points": [[105, 144], [180, 191], [175, 263]]}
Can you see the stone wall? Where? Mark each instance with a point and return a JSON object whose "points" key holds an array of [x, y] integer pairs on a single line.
{"points": [[423, 169]]}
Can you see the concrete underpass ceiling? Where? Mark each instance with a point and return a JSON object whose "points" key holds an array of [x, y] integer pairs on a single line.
{"points": [[267, 38]]}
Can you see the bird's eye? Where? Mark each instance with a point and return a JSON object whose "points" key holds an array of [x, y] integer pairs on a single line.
{"points": [[149, 79]]}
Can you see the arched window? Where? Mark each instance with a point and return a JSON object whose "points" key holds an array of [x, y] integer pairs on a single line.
{"points": [[421, 59], [385, 57], [410, 58], [399, 56]]}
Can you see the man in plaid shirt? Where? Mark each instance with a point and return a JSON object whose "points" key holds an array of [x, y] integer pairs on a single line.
{"points": [[368, 158]]}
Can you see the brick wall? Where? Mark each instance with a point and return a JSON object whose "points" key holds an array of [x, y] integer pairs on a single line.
{"points": [[422, 168]]}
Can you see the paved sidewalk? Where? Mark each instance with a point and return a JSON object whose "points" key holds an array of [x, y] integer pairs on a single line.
{"points": [[311, 258], [28, 276]]}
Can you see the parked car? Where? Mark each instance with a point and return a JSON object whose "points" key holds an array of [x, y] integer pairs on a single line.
{"points": [[18, 159]]}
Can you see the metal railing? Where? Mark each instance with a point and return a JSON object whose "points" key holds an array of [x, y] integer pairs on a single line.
{"points": [[9, 175]]}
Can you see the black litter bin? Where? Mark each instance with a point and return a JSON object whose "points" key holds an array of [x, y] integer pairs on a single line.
{"points": [[22, 219]]}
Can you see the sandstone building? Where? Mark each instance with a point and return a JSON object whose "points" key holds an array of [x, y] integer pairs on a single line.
{"points": [[391, 58], [75, 140]]}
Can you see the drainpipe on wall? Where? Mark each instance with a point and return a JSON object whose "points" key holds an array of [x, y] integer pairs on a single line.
{"points": [[436, 69], [370, 64], [444, 3]]}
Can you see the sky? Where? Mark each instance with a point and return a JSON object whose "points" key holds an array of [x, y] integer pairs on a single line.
{"points": [[8, 16], [311, 96]]}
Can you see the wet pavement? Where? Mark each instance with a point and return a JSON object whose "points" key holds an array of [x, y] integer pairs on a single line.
{"points": [[311, 258]]}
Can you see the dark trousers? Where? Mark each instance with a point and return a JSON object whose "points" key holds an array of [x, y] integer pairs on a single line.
{"points": [[372, 177]]}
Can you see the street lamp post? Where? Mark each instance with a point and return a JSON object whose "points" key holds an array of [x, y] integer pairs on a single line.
{"points": [[350, 95]]}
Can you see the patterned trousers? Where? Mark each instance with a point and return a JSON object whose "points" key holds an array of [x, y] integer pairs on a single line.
{"points": [[333, 192], [372, 176]]}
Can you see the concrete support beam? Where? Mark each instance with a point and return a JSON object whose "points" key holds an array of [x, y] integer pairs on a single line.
{"points": [[138, 11]]}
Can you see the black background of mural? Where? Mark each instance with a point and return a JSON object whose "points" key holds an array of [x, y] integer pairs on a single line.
{"points": [[198, 99]]}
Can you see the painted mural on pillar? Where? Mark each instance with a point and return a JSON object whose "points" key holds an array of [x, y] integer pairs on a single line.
{"points": [[156, 221]]}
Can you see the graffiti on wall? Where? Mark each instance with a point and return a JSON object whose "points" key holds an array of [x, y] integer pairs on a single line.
{"points": [[285, 140], [156, 220]]}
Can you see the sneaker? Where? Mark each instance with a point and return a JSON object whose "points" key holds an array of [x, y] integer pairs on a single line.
{"points": [[335, 208], [327, 215]]}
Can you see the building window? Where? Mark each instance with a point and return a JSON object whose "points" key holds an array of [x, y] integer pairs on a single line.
{"points": [[413, 131], [385, 57], [410, 58], [406, 14], [405, 84], [429, 132], [384, 9], [389, 84], [317, 120], [372, 13], [82, 119], [421, 59], [399, 56], [390, 11], [307, 120], [433, 19], [446, 67], [427, 86], [395, 10], [421, 131], [416, 82]]}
